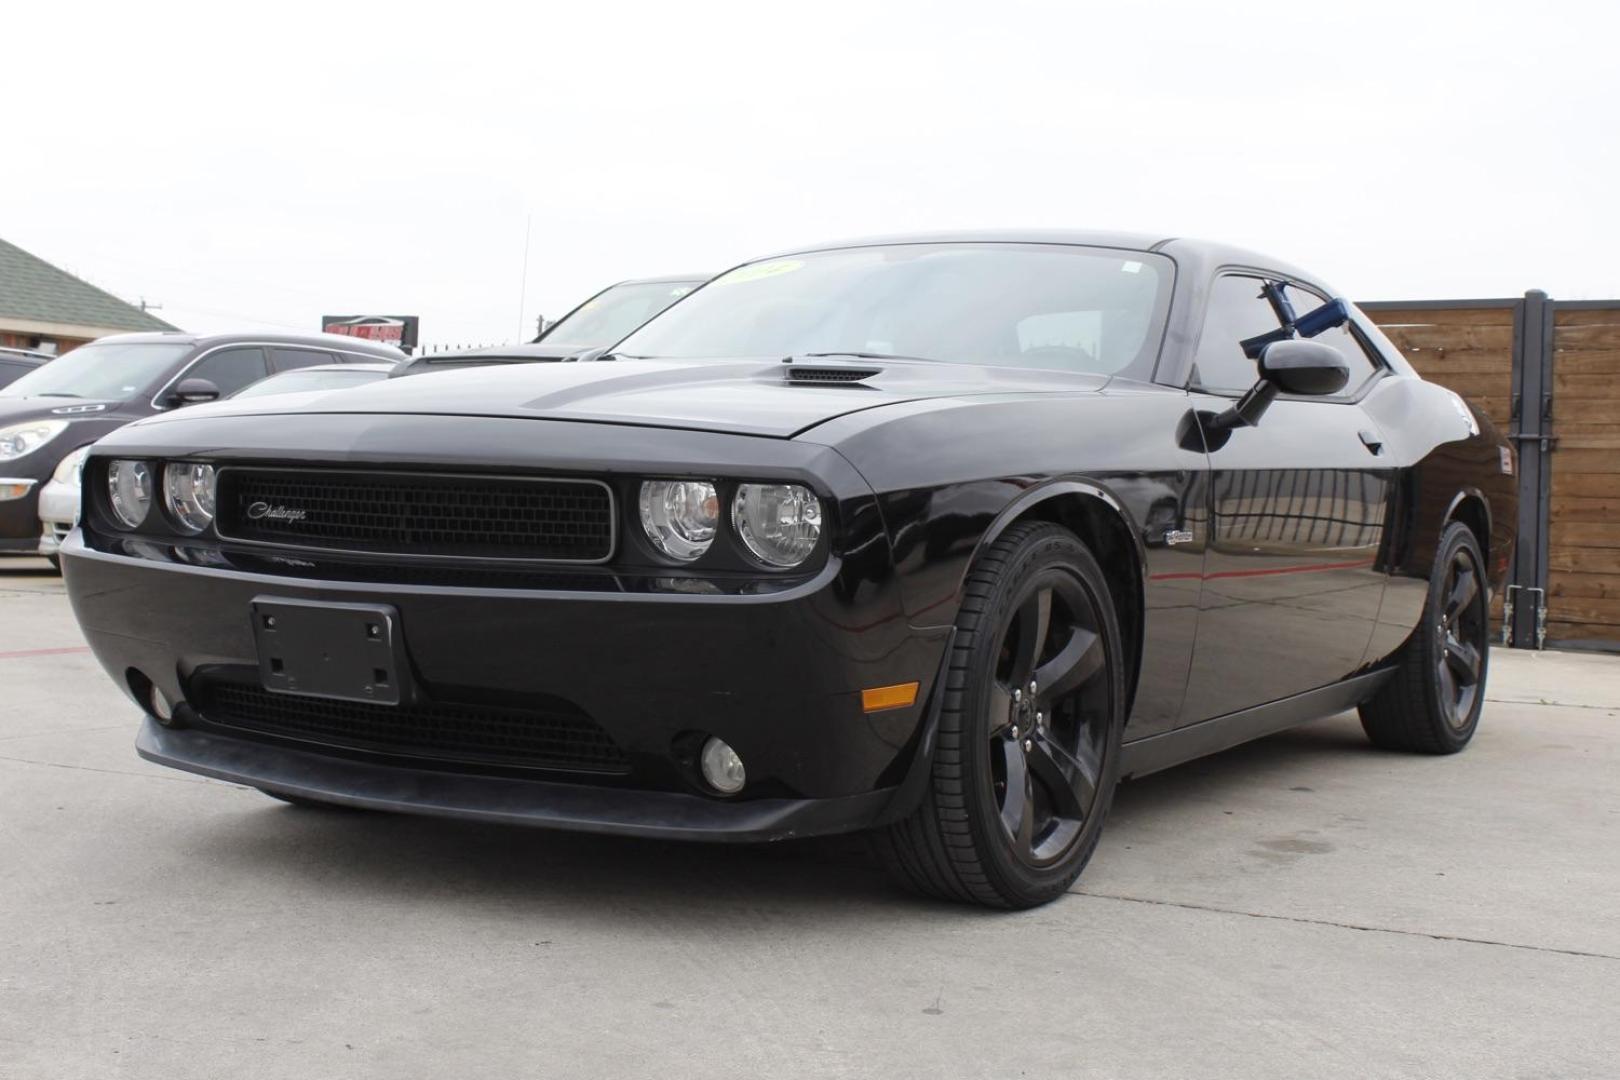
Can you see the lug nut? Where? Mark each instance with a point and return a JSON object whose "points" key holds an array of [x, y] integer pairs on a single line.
{"points": [[1015, 731], [1018, 695], [1028, 745]]}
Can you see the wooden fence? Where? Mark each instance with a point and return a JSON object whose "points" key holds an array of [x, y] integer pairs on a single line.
{"points": [[1548, 374]]}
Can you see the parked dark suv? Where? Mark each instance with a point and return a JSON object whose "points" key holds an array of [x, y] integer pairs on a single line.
{"points": [[77, 398]]}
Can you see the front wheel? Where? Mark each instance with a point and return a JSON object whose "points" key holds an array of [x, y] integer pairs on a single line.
{"points": [[1432, 703], [1029, 730]]}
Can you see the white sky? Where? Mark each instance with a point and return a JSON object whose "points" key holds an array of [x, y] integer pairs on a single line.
{"points": [[264, 164]]}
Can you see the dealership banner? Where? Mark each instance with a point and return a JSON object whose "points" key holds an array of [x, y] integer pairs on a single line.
{"points": [[397, 330]]}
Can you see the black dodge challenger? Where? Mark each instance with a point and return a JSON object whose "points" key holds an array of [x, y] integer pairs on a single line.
{"points": [[938, 537]]}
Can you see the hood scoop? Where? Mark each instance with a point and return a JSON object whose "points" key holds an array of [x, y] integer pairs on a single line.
{"points": [[829, 374]]}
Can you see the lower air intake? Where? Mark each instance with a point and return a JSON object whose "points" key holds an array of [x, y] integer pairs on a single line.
{"points": [[561, 737]]}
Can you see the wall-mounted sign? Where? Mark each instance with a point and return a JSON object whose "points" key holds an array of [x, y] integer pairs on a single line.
{"points": [[397, 330]]}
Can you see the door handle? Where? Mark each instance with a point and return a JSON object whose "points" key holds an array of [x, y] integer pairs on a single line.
{"points": [[1374, 443]]}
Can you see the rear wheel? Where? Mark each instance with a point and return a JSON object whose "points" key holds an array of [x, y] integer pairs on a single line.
{"points": [[1029, 730], [1433, 702]]}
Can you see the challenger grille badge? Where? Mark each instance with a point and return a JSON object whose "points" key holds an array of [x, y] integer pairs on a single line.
{"points": [[263, 511]]}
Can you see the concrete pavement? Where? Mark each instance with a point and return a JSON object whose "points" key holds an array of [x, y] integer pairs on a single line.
{"points": [[1301, 907]]}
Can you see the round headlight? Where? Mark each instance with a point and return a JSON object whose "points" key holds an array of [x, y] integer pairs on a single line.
{"points": [[680, 516], [129, 488], [780, 523], [188, 487]]}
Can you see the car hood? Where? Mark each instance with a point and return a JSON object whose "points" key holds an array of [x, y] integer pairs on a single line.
{"points": [[750, 397], [19, 409]]}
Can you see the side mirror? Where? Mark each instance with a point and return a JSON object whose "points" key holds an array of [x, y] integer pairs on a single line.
{"points": [[1288, 366], [1308, 368], [193, 392]]}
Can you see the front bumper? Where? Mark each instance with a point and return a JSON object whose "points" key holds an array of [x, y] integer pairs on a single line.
{"points": [[777, 675], [581, 808], [58, 511]]}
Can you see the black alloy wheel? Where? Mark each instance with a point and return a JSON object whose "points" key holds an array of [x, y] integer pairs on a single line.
{"points": [[1029, 729], [1462, 642], [1048, 717], [1433, 700]]}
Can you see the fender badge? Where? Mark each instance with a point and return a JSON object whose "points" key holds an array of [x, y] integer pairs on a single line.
{"points": [[1178, 536]]}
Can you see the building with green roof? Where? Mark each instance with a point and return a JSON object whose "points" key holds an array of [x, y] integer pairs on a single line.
{"points": [[46, 308]]}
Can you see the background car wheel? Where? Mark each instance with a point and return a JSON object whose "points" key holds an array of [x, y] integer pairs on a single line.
{"points": [[1029, 730], [1432, 704], [303, 803]]}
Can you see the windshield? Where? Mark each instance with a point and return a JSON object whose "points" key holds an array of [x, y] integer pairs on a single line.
{"points": [[1017, 305], [613, 313], [106, 372], [298, 382]]}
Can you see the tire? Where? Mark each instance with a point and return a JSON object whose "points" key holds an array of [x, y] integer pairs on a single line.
{"points": [[303, 803], [1433, 702], [972, 838]]}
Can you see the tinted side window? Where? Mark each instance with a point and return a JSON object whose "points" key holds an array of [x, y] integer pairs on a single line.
{"points": [[289, 359], [10, 371], [1340, 337], [230, 369], [1237, 311]]}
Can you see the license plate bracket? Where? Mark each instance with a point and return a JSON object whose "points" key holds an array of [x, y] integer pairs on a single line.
{"points": [[311, 648]]}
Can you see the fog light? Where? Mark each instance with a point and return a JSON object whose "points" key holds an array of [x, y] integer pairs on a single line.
{"points": [[722, 768], [161, 708]]}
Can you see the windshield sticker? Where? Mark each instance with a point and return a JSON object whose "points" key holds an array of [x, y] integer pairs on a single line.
{"points": [[680, 290], [760, 270], [1131, 268]]}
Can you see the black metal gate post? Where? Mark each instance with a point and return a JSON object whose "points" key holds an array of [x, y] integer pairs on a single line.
{"points": [[1524, 611]]}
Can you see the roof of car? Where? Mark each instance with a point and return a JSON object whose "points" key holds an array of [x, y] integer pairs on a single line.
{"points": [[314, 340], [27, 356]]}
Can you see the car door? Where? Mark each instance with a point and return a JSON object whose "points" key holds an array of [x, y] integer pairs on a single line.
{"points": [[1292, 578]]}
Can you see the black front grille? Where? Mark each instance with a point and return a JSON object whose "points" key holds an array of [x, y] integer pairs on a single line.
{"points": [[474, 517], [559, 737]]}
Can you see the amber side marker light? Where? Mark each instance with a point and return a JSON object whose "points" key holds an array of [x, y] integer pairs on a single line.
{"points": [[879, 698]]}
